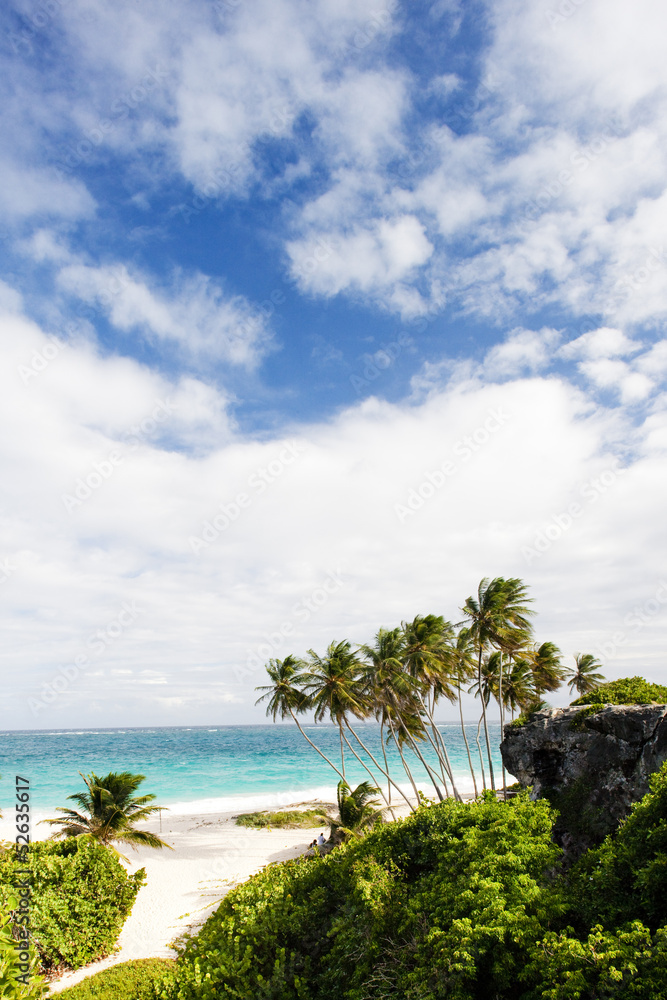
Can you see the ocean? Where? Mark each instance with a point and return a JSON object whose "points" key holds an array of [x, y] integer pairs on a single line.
{"points": [[208, 768]]}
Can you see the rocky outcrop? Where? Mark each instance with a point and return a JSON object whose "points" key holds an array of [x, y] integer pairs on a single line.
{"points": [[591, 763]]}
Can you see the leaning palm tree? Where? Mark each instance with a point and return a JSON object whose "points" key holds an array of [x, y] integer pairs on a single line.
{"points": [[427, 658], [518, 689], [109, 813], [547, 669], [498, 617], [463, 668], [357, 812], [332, 683], [583, 677], [285, 697]]}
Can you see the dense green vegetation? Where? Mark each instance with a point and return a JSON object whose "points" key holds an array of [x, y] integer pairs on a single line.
{"points": [[127, 981], [464, 901], [291, 819], [81, 896], [626, 691]]}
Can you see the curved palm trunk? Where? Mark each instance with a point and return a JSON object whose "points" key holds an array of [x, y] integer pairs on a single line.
{"points": [[386, 762], [379, 767], [429, 770], [366, 767], [486, 725], [307, 738], [436, 742], [465, 740], [447, 764], [502, 721], [481, 755], [404, 762], [342, 754]]}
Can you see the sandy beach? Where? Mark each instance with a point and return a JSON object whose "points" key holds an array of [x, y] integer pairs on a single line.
{"points": [[210, 855]]}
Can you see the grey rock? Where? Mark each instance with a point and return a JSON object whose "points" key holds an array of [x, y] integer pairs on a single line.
{"points": [[591, 767]]}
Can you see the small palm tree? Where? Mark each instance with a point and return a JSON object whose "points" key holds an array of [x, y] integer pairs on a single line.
{"points": [[583, 676], [357, 812], [109, 813], [546, 666]]}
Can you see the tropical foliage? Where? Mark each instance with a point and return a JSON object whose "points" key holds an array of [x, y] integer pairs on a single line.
{"points": [[291, 819], [80, 898], [400, 678], [626, 691], [128, 981], [584, 677], [358, 812], [110, 811], [460, 901]]}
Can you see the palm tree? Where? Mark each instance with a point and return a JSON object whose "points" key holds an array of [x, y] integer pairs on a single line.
{"points": [[390, 692], [286, 698], [428, 658], [357, 812], [463, 667], [583, 676], [547, 669], [498, 617], [518, 689], [112, 811], [332, 685]]}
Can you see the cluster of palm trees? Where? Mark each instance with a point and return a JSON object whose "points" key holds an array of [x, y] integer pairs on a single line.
{"points": [[399, 680]]}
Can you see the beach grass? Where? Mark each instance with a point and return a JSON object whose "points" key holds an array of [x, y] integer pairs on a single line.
{"points": [[127, 981], [290, 819]]}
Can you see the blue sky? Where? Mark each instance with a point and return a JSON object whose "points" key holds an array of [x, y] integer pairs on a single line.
{"points": [[348, 299]]}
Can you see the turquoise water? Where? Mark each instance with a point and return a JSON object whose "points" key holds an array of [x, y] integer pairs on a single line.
{"points": [[207, 769]]}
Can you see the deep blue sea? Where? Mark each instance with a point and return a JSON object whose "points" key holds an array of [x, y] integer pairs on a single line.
{"points": [[208, 769]]}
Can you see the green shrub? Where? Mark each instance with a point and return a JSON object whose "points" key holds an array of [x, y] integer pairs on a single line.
{"points": [[290, 819], [19, 976], [625, 878], [445, 903], [126, 981], [81, 896], [626, 691]]}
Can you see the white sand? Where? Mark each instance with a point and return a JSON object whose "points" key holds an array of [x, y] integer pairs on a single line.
{"points": [[210, 855]]}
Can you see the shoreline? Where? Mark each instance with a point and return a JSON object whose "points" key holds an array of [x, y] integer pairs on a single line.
{"points": [[210, 856]]}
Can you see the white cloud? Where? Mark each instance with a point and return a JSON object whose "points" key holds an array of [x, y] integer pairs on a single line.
{"points": [[195, 313], [523, 350], [605, 342], [406, 506]]}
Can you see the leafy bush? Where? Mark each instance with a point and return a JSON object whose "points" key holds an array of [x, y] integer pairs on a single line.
{"points": [[81, 896], [626, 691], [290, 819], [126, 981], [625, 878], [443, 903], [19, 978]]}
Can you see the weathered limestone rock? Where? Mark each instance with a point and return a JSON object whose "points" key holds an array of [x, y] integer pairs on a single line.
{"points": [[592, 767]]}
